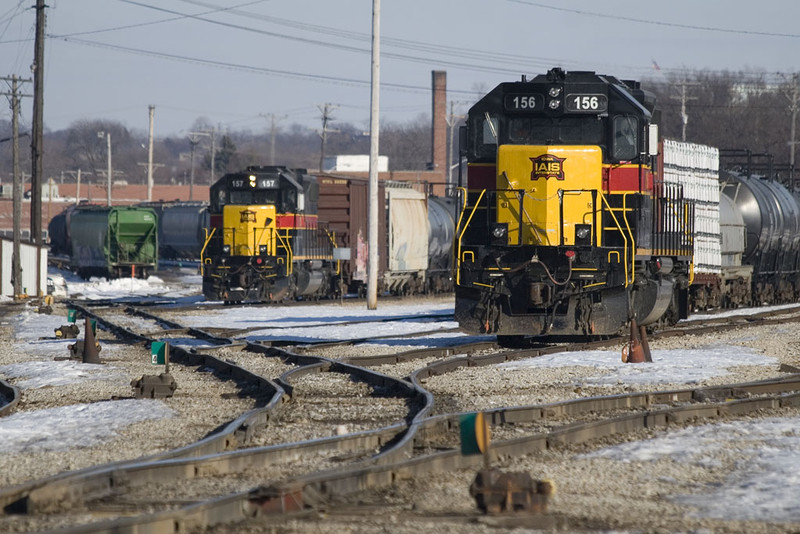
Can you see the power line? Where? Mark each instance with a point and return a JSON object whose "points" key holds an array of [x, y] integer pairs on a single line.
{"points": [[616, 16], [260, 70]]}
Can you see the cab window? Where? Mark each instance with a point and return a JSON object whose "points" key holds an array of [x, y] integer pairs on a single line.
{"points": [[626, 138]]}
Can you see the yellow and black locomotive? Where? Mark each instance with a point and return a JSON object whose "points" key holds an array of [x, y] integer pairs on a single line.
{"points": [[265, 242], [566, 228]]}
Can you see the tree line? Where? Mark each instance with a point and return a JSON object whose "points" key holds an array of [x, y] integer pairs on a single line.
{"points": [[744, 110], [83, 145], [735, 110]]}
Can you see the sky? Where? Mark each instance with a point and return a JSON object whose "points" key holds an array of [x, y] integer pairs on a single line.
{"points": [[763, 486], [242, 64]]}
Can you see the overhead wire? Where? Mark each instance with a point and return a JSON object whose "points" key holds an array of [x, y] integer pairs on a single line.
{"points": [[251, 68], [617, 16]]}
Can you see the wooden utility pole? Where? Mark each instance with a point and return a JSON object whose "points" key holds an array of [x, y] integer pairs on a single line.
{"points": [[683, 97], [326, 110], [452, 120], [793, 105], [16, 268], [37, 149], [374, 128], [273, 132], [152, 110]]}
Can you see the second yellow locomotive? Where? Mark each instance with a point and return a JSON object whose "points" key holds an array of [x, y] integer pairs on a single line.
{"points": [[265, 242]]}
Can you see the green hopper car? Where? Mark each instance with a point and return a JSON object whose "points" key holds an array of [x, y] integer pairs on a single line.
{"points": [[113, 242]]}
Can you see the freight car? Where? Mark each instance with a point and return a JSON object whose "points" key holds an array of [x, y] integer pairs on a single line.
{"points": [[181, 228], [415, 235], [577, 221], [770, 245], [277, 233], [113, 241]]}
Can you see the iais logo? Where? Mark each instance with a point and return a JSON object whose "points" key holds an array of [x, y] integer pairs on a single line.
{"points": [[547, 166]]}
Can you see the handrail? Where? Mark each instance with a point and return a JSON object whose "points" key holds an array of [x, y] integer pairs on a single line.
{"points": [[630, 232], [209, 236], [464, 229], [624, 237], [288, 248]]}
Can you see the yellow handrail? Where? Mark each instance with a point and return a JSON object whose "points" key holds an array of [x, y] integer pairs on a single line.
{"points": [[288, 248], [630, 233], [205, 245], [624, 237], [464, 229]]}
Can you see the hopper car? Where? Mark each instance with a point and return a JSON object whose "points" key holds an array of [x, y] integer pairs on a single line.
{"points": [[112, 242]]}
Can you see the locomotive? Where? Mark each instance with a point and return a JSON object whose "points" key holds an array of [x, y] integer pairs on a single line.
{"points": [[566, 227], [277, 233], [578, 221], [264, 240]]}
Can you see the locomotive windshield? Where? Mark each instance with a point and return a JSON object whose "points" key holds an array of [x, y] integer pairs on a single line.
{"points": [[555, 130], [243, 197]]}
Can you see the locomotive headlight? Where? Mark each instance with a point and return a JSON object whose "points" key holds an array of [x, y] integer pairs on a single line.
{"points": [[499, 233], [554, 91], [226, 249], [262, 250], [583, 234], [555, 103]]}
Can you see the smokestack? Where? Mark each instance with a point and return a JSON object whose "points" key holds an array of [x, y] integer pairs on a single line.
{"points": [[439, 123]]}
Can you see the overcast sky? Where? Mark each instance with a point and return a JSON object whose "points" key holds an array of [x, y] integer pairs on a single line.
{"points": [[239, 62]]}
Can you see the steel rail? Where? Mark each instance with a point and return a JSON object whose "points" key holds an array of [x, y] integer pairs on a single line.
{"points": [[650, 412]]}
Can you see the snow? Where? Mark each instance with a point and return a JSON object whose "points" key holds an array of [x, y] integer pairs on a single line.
{"points": [[690, 367], [762, 487], [767, 474], [79, 425]]}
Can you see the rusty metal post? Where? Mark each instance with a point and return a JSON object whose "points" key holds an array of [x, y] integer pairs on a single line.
{"points": [[645, 344], [635, 351], [90, 352]]}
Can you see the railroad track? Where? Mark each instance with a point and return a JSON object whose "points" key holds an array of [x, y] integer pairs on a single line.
{"points": [[371, 459], [433, 450]]}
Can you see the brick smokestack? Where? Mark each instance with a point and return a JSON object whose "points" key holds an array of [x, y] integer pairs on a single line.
{"points": [[439, 123]]}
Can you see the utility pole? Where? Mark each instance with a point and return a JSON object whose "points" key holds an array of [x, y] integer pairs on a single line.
{"points": [[793, 107], [194, 140], [683, 97], [273, 131], [36, 137], [326, 110], [77, 175], [16, 268], [152, 110], [213, 154], [374, 129], [110, 174], [452, 120]]}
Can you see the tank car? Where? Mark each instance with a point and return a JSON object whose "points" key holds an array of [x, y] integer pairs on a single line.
{"points": [[264, 240], [441, 234], [58, 233], [113, 242], [566, 227], [181, 228], [770, 216]]}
